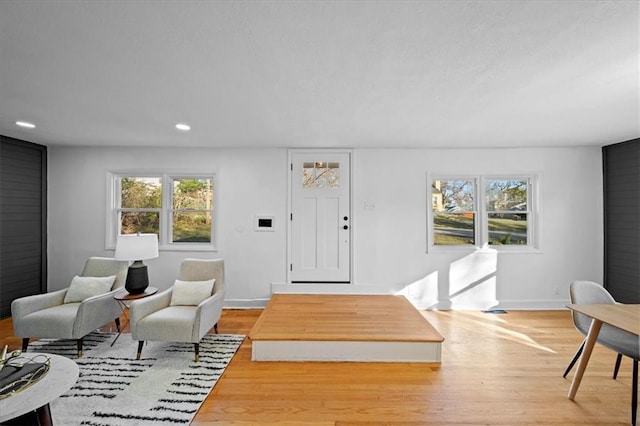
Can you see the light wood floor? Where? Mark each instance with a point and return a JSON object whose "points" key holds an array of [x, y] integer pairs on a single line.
{"points": [[496, 370], [323, 317]]}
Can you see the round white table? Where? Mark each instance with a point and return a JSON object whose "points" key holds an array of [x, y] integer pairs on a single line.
{"points": [[62, 375]]}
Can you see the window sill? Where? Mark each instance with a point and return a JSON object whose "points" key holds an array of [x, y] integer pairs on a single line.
{"points": [[187, 247], [490, 249], [180, 247]]}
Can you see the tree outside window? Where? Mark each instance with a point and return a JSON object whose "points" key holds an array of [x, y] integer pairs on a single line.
{"points": [[140, 204], [192, 210]]}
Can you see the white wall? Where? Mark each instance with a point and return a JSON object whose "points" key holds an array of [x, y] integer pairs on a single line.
{"points": [[389, 240], [248, 182]]}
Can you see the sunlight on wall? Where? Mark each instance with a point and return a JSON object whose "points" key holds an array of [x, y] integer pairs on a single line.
{"points": [[470, 284], [423, 293], [472, 280]]}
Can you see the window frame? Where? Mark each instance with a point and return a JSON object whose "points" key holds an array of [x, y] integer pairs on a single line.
{"points": [[165, 242], [481, 225]]}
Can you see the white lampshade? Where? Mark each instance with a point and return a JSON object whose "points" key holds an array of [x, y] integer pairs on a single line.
{"points": [[137, 247]]}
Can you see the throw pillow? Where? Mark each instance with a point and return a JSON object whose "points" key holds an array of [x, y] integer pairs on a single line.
{"points": [[82, 288], [191, 293]]}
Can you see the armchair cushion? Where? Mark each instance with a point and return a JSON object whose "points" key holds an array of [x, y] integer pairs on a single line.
{"points": [[82, 288], [191, 293], [56, 321], [174, 323]]}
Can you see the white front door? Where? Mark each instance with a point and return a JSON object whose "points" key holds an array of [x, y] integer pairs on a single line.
{"points": [[320, 217]]}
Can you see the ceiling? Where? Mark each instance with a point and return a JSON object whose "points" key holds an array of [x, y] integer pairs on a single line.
{"points": [[320, 73]]}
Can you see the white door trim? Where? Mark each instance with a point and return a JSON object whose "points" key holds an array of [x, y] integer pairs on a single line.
{"points": [[290, 153]]}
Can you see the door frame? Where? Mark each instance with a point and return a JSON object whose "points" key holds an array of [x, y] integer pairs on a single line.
{"points": [[290, 153]]}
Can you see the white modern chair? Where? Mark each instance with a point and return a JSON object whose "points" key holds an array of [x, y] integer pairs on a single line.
{"points": [[186, 311], [72, 313], [620, 341]]}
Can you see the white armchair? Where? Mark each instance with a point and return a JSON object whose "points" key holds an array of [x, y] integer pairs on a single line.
{"points": [[186, 311], [47, 315]]}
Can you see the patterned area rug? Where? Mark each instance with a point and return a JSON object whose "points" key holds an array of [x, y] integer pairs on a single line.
{"points": [[165, 387]]}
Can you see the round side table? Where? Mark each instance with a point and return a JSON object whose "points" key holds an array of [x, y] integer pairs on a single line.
{"points": [[124, 298]]}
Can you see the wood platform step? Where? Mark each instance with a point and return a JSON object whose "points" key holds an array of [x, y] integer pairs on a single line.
{"points": [[362, 328]]}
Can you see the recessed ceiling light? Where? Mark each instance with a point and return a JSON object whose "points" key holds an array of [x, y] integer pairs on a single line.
{"points": [[184, 127], [25, 124]]}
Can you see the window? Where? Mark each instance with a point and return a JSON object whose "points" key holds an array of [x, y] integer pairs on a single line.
{"points": [[192, 210], [140, 204], [506, 207], [479, 211], [454, 209], [178, 208]]}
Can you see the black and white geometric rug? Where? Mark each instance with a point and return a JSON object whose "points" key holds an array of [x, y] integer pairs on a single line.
{"points": [[165, 387]]}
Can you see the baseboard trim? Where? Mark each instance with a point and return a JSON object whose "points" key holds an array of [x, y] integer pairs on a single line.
{"points": [[245, 303], [326, 288]]}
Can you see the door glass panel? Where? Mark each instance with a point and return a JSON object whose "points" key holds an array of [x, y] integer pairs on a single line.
{"points": [[308, 175], [321, 180], [333, 175], [320, 174]]}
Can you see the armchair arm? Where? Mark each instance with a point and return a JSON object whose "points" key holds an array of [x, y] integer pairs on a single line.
{"points": [[94, 312], [29, 304], [207, 314], [141, 308]]}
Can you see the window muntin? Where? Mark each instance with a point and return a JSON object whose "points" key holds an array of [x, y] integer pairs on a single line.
{"points": [[178, 208], [501, 216]]}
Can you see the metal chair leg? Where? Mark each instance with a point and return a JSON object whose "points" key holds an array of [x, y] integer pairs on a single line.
{"points": [[634, 393], [196, 346], [617, 367], [140, 345], [575, 358]]}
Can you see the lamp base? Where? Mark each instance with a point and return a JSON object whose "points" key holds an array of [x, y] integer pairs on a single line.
{"points": [[137, 278]]}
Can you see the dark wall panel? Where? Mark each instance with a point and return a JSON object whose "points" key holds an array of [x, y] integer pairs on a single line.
{"points": [[23, 221], [621, 181]]}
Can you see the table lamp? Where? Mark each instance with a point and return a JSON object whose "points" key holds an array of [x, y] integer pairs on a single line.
{"points": [[137, 247]]}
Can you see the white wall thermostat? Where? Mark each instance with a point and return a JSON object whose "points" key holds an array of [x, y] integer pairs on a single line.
{"points": [[264, 223]]}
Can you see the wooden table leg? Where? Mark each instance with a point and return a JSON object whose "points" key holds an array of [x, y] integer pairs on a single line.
{"points": [[44, 415], [590, 342]]}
